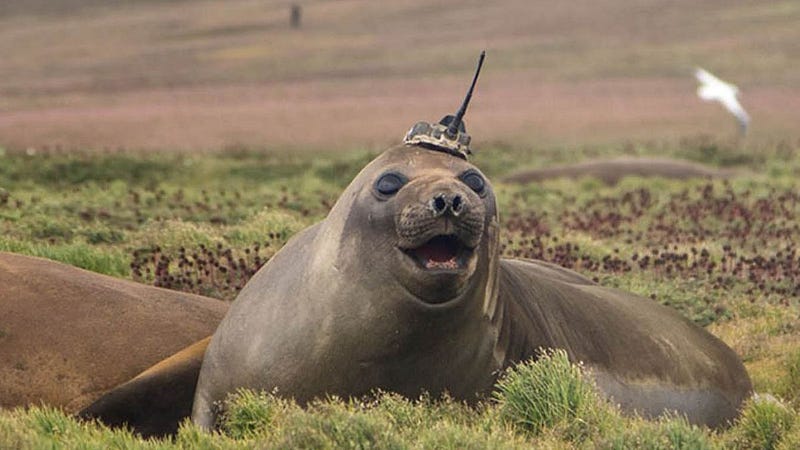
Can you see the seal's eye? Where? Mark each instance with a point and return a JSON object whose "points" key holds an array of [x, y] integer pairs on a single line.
{"points": [[389, 183], [474, 180]]}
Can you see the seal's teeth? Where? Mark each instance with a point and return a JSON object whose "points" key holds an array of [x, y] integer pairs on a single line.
{"points": [[443, 252], [450, 264]]}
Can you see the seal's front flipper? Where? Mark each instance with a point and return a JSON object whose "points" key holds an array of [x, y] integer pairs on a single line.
{"points": [[155, 401]]}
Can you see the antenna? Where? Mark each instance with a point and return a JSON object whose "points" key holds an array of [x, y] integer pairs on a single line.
{"points": [[452, 128], [450, 134]]}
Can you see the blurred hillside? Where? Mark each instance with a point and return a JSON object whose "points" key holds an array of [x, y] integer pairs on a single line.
{"points": [[197, 74]]}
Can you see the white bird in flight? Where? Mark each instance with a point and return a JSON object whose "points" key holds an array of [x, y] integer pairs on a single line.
{"points": [[713, 89]]}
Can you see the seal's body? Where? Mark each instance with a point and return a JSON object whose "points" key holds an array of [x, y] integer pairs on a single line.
{"points": [[644, 356], [68, 335], [401, 288], [611, 171]]}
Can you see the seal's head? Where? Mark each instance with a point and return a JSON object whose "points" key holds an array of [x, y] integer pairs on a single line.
{"points": [[438, 210], [422, 219], [428, 212]]}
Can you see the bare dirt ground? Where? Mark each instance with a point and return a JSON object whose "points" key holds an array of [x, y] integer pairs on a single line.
{"points": [[199, 75]]}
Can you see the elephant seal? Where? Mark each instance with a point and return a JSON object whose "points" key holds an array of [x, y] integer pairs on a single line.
{"points": [[401, 288], [611, 171], [67, 336]]}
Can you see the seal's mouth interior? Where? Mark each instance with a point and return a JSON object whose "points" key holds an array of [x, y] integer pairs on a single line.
{"points": [[442, 252]]}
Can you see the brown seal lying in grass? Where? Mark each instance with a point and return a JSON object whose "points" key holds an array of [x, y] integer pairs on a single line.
{"points": [[67, 335], [611, 171], [401, 288]]}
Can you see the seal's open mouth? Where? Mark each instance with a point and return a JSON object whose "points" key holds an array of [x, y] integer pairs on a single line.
{"points": [[442, 252]]}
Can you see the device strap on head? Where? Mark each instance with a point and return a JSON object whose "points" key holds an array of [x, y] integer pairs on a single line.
{"points": [[450, 134]]}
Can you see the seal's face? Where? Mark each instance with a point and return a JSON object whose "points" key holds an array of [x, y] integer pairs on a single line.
{"points": [[439, 221], [432, 211]]}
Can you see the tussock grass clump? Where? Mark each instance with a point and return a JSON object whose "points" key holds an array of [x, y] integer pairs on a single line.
{"points": [[248, 413], [552, 392], [764, 422], [668, 433]]}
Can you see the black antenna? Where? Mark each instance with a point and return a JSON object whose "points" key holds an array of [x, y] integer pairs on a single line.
{"points": [[452, 128]]}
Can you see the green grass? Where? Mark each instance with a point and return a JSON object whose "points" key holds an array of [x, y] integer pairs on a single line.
{"points": [[663, 434], [763, 424], [548, 403], [115, 213], [552, 393]]}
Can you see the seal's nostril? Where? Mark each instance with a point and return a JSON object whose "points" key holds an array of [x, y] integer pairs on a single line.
{"points": [[456, 204], [439, 203]]}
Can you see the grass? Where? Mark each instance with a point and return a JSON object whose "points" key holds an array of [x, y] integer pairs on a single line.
{"points": [[720, 252], [568, 413], [552, 393], [667, 433]]}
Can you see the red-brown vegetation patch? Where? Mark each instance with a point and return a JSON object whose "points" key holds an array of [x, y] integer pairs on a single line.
{"points": [[216, 272], [676, 237]]}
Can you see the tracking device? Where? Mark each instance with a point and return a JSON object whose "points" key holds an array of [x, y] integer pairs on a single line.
{"points": [[450, 134]]}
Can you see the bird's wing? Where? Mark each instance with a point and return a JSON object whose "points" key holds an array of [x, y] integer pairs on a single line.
{"points": [[705, 77], [732, 104]]}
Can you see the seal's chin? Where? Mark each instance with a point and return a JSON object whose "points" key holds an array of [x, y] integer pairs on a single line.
{"points": [[442, 253]]}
